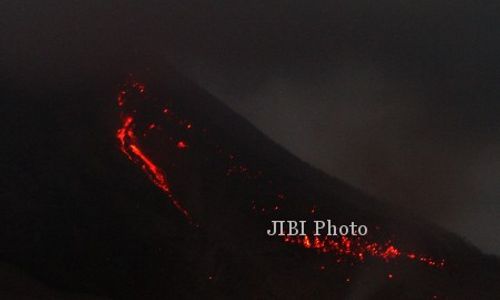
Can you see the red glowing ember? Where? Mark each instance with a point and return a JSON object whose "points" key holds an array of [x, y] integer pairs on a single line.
{"points": [[181, 145]]}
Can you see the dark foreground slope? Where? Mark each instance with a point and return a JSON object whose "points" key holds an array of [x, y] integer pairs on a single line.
{"points": [[81, 218]]}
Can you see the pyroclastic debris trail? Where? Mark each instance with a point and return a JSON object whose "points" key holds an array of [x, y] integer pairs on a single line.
{"points": [[345, 249]]}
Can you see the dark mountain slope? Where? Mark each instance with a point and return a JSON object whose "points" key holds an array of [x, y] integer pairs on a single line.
{"points": [[81, 217]]}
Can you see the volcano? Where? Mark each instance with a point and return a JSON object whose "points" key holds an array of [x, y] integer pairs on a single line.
{"points": [[150, 188]]}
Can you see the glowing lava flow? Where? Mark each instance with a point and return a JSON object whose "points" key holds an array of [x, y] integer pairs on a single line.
{"points": [[358, 249], [344, 248], [130, 147]]}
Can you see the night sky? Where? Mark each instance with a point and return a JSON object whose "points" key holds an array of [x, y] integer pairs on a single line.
{"points": [[397, 98]]}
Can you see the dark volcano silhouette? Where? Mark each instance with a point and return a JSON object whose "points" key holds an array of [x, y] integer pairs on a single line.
{"points": [[82, 217]]}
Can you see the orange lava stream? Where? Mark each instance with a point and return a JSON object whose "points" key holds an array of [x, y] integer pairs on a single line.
{"points": [[354, 248], [359, 249], [130, 147]]}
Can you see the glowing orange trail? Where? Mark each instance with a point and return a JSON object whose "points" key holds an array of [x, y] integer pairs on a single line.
{"points": [[344, 248], [130, 147], [358, 249]]}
